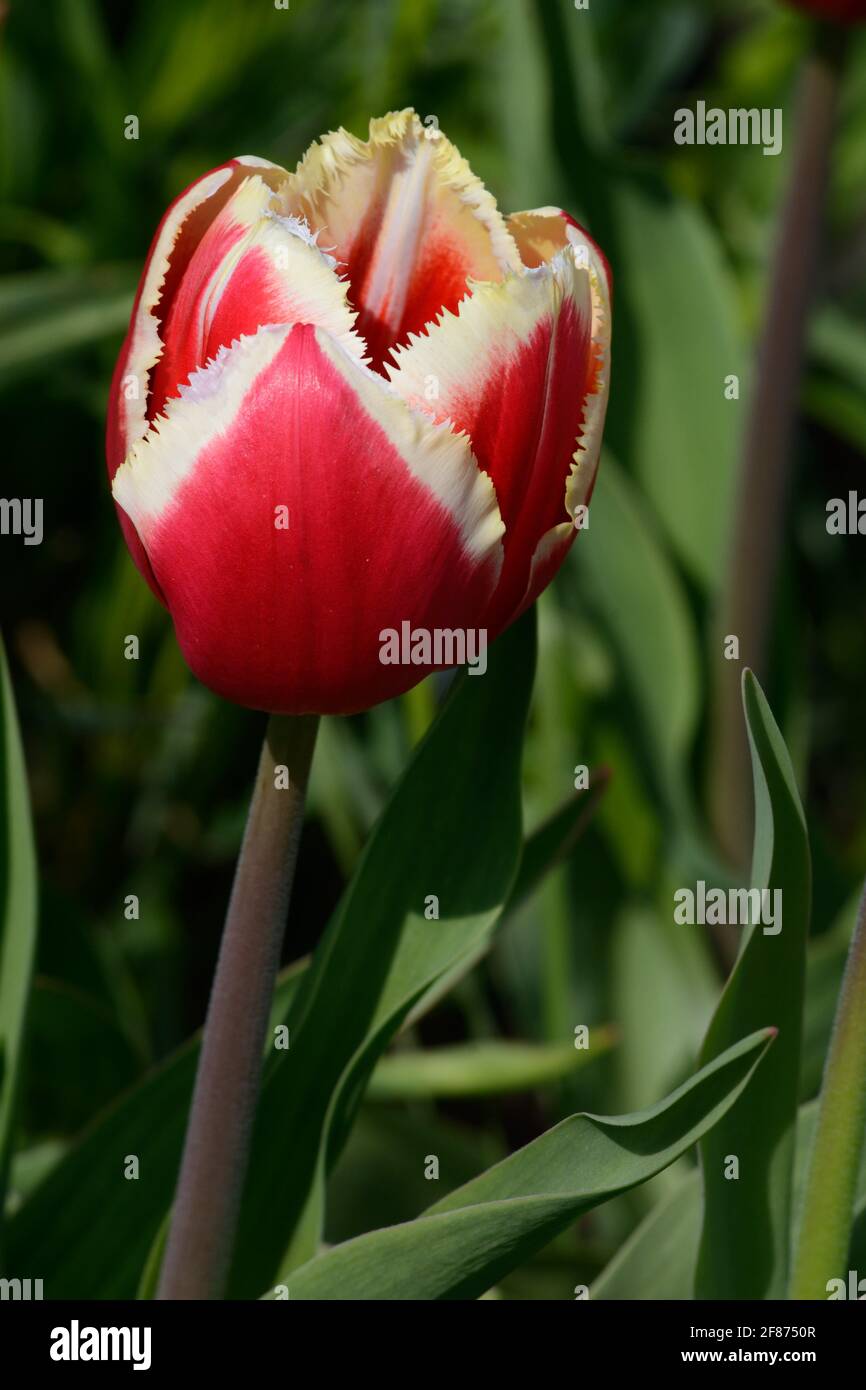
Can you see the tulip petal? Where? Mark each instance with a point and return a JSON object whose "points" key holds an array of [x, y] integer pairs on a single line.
{"points": [[389, 521], [408, 218], [522, 368], [549, 555], [174, 243], [251, 268], [542, 232], [540, 235]]}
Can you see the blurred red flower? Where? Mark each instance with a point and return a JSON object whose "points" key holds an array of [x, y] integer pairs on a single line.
{"points": [[844, 11]]}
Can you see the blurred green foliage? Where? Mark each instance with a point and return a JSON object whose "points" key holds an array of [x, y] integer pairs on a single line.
{"points": [[139, 777]]}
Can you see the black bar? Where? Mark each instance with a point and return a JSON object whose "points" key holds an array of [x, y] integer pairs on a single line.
{"points": [[269, 1338]]}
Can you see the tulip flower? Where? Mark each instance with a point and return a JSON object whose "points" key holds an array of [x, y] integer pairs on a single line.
{"points": [[351, 398], [356, 407]]}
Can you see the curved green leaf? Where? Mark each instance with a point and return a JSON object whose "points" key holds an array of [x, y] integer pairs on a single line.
{"points": [[659, 1257], [745, 1245], [463, 1244]]}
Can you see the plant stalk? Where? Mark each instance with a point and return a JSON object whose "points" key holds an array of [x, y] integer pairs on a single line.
{"points": [[837, 1148], [216, 1148], [746, 604]]}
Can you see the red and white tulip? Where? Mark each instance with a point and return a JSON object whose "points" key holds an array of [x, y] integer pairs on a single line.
{"points": [[350, 397]]}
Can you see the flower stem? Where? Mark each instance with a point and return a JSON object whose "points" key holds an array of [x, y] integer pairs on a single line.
{"points": [[746, 605], [831, 1182], [216, 1148]]}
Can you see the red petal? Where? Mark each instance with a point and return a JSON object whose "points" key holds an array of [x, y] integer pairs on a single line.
{"points": [[516, 370], [409, 220], [289, 620], [250, 269], [174, 242]]}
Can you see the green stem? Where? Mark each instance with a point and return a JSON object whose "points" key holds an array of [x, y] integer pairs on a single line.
{"points": [[831, 1183], [746, 606], [216, 1149]]}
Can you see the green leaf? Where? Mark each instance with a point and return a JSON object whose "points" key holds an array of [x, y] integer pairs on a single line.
{"points": [[825, 967], [529, 166], [668, 41], [838, 407], [463, 1244], [149, 1281], [30, 1167], [379, 1181], [553, 841], [659, 972], [831, 1188], [622, 570], [18, 916], [452, 828], [837, 343], [85, 1225], [481, 1068], [745, 1245], [833, 392], [857, 1247], [678, 342], [108, 1225], [53, 312], [658, 1259]]}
